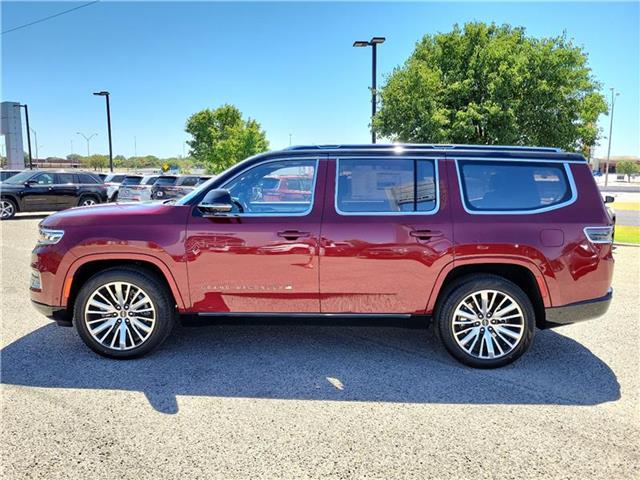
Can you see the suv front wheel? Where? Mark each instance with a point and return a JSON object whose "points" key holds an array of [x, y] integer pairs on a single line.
{"points": [[123, 313], [486, 321]]}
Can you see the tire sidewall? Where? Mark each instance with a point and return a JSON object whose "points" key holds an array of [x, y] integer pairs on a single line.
{"points": [[15, 208], [444, 318], [165, 311], [85, 198]]}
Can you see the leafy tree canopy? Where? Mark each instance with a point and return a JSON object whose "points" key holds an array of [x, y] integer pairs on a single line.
{"points": [[489, 84], [221, 137], [627, 167]]}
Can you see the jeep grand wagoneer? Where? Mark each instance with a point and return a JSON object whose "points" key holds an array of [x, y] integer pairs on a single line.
{"points": [[488, 242]]}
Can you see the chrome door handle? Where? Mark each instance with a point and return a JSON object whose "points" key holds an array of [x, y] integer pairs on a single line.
{"points": [[426, 234], [292, 234]]}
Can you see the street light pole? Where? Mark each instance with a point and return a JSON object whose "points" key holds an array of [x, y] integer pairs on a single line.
{"points": [[26, 117], [106, 94], [373, 43], [606, 166], [88, 139]]}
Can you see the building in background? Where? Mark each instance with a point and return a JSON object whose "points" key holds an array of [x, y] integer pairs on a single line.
{"points": [[11, 128]]}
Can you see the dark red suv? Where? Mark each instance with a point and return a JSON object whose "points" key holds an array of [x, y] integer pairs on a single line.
{"points": [[489, 242]]}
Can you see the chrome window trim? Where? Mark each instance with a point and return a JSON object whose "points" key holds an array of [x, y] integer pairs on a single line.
{"points": [[572, 186], [435, 209], [276, 160]]}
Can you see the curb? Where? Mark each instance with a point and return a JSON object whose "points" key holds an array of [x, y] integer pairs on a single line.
{"points": [[619, 244]]}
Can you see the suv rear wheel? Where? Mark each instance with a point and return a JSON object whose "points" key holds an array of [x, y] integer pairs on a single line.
{"points": [[122, 313], [486, 321], [87, 201]]}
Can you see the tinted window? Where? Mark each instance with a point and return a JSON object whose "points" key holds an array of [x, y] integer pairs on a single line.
{"points": [[513, 185], [188, 181], [131, 180], [64, 178], [86, 178], [165, 181], [256, 189], [386, 186], [45, 179], [114, 178], [149, 180]]}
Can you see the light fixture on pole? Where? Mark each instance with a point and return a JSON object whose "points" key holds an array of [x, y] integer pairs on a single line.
{"points": [[373, 43], [88, 139], [106, 94]]}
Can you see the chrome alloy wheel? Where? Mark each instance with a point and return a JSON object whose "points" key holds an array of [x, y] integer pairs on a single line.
{"points": [[88, 202], [6, 209], [120, 315], [488, 324]]}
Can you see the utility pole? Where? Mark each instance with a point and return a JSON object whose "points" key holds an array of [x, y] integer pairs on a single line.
{"points": [[135, 146], [106, 94], [606, 166], [26, 117]]}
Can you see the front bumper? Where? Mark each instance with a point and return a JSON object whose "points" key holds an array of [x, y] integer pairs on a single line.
{"points": [[59, 314], [577, 312]]}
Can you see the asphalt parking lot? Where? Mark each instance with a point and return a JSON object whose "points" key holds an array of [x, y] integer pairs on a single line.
{"points": [[301, 401]]}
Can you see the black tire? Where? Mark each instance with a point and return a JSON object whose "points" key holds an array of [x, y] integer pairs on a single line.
{"points": [[444, 318], [158, 294], [86, 198], [9, 209]]}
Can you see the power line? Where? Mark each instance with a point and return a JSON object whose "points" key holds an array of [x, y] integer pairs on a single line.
{"points": [[49, 17]]}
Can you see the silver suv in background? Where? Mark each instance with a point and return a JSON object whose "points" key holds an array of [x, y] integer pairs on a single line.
{"points": [[136, 188]]}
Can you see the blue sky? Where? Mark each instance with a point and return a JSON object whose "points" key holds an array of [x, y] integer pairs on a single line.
{"points": [[288, 65]]}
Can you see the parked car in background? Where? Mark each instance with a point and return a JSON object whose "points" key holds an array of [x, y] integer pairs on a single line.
{"points": [[42, 191], [136, 188], [183, 185], [486, 242], [4, 174], [113, 181], [157, 191]]}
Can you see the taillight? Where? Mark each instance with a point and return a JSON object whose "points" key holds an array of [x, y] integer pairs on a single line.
{"points": [[599, 234]]}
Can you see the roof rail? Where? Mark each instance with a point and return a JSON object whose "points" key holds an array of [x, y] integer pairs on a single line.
{"points": [[423, 146]]}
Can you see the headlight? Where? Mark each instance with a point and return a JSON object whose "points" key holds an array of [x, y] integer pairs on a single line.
{"points": [[49, 237]]}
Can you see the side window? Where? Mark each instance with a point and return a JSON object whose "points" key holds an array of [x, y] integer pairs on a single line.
{"points": [[386, 186], [45, 179], [513, 186], [65, 178], [189, 181], [257, 189], [86, 178]]}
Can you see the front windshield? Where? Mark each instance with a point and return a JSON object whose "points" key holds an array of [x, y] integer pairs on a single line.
{"points": [[20, 178]]}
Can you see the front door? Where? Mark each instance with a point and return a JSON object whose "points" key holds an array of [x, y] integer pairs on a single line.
{"points": [[39, 195], [386, 234], [265, 257]]}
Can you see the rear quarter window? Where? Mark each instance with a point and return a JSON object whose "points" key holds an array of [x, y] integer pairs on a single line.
{"points": [[500, 186]]}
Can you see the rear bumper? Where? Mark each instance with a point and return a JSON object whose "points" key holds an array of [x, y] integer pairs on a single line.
{"points": [[577, 312], [59, 314]]}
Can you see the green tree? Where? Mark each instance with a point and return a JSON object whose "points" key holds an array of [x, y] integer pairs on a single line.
{"points": [[97, 162], [221, 137], [627, 167], [489, 84]]}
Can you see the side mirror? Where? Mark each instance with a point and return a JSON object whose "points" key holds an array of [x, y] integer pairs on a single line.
{"points": [[216, 203], [30, 182], [609, 199]]}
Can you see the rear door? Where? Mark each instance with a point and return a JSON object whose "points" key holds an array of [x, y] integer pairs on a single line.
{"points": [[386, 234], [66, 190]]}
